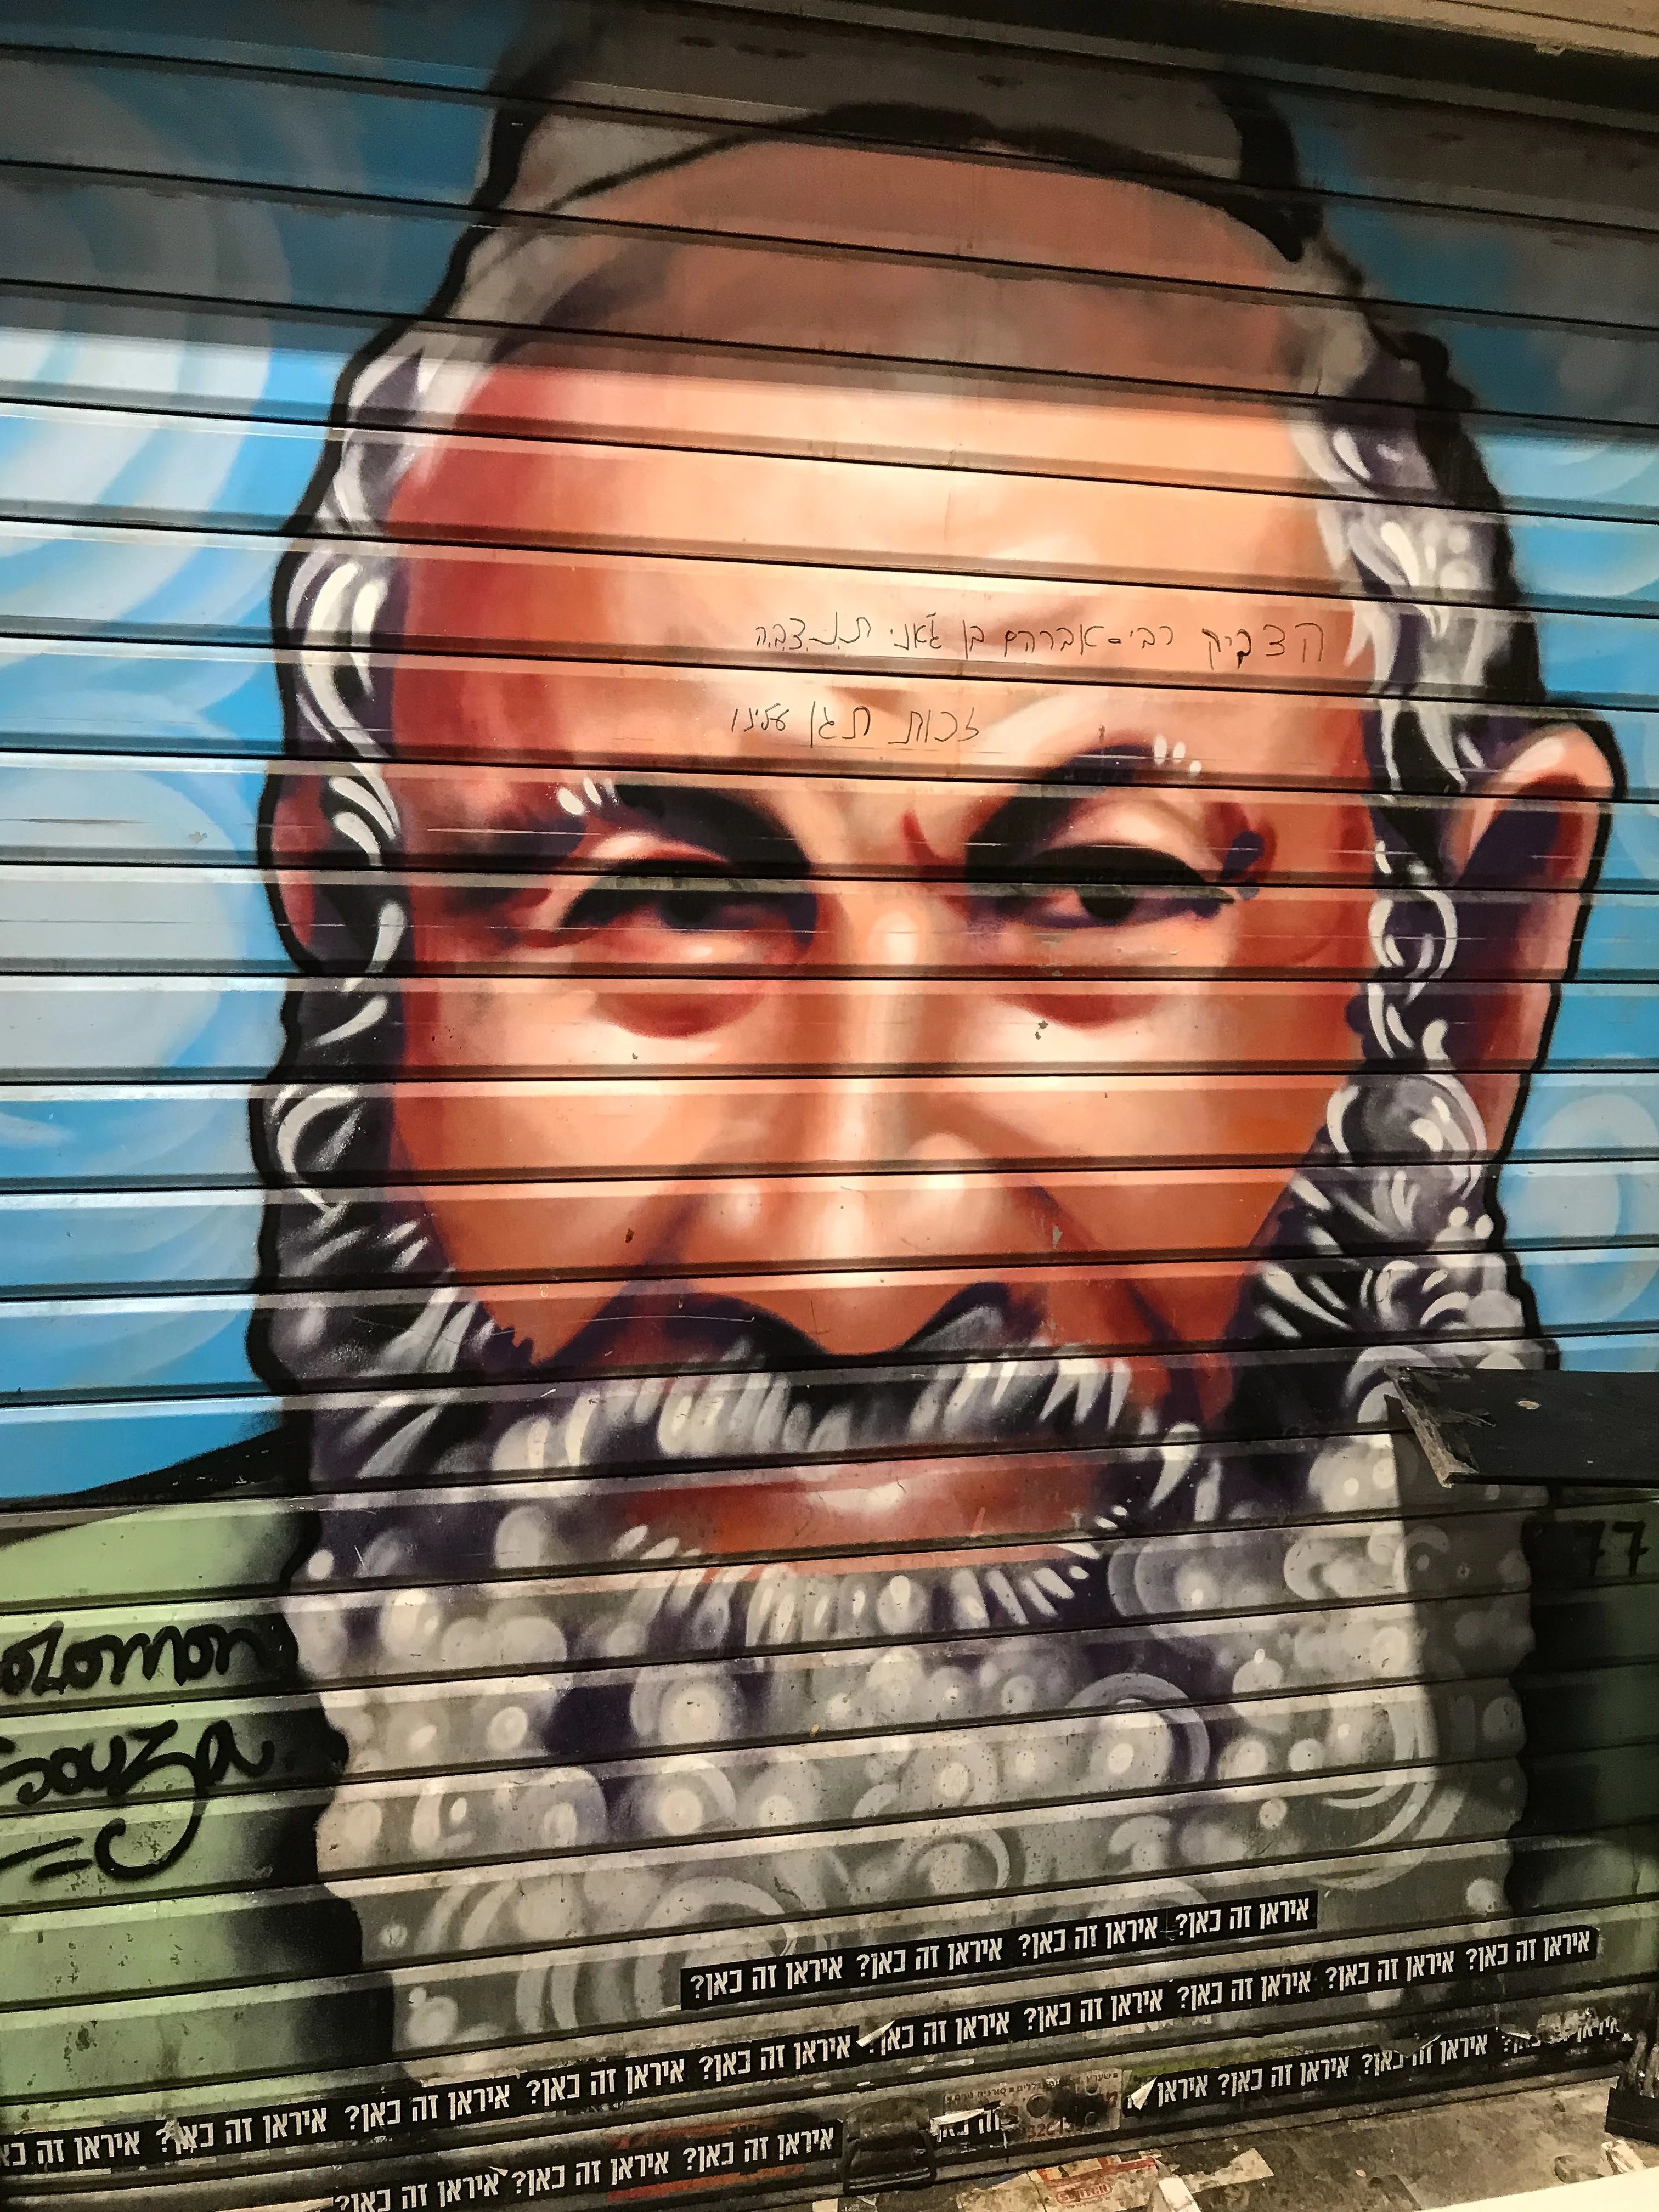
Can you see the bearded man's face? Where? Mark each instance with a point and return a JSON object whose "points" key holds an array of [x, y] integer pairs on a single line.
{"points": [[902, 1052], [880, 1030], [861, 1103]]}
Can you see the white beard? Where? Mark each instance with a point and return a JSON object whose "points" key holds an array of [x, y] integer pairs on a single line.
{"points": [[991, 1724]]}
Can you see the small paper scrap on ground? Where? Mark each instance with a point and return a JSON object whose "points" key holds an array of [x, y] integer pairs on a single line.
{"points": [[1248, 2166], [1101, 2184], [1078, 2186]]}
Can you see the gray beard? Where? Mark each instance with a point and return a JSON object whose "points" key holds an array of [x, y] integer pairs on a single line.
{"points": [[591, 1744]]}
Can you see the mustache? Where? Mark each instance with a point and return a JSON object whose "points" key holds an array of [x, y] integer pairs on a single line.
{"points": [[722, 1379], [691, 1380], [687, 1328]]}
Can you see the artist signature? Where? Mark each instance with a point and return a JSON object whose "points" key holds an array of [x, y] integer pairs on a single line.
{"points": [[43, 1665], [131, 1759]]}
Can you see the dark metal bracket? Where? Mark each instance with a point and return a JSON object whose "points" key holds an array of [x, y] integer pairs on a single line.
{"points": [[1543, 1427]]}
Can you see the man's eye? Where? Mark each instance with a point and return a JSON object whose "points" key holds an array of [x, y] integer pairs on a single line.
{"points": [[690, 899], [1108, 887]]}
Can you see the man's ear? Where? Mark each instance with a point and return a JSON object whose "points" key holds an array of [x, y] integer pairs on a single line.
{"points": [[1537, 820], [296, 837], [1522, 853]]}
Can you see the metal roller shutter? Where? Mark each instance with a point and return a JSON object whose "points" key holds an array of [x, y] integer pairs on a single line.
{"points": [[805, 826]]}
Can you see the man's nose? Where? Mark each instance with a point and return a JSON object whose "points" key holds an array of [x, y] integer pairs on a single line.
{"points": [[879, 1145], [879, 1029]]}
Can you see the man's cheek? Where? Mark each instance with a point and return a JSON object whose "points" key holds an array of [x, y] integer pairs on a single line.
{"points": [[1144, 1306], [555, 1128], [615, 1228], [1199, 1210], [1197, 1303], [1245, 1022], [1181, 1119], [537, 1026], [1295, 925]]}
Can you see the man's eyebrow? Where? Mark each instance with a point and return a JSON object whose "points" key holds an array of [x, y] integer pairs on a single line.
{"points": [[542, 825], [1023, 825]]}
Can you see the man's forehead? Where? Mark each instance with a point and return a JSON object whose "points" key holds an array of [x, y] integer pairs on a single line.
{"points": [[919, 743], [793, 247], [858, 411], [1072, 501], [978, 204]]}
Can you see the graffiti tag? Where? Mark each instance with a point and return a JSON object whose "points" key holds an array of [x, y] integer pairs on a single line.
{"points": [[131, 1760], [43, 1665]]}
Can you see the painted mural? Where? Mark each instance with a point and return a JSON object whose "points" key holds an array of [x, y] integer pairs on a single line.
{"points": [[783, 898]]}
